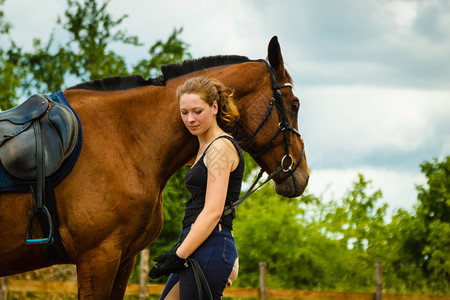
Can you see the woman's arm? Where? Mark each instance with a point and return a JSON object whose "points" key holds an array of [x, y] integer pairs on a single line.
{"points": [[221, 159]]}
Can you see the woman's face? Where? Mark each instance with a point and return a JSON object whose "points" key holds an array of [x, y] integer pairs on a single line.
{"points": [[196, 114]]}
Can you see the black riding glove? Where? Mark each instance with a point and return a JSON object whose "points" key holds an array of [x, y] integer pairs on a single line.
{"points": [[166, 264]]}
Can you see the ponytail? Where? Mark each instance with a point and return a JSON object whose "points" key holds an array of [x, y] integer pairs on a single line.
{"points": [[228, 112]]}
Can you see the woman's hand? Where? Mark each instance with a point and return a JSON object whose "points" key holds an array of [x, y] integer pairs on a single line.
{"points": [[166, 264]]}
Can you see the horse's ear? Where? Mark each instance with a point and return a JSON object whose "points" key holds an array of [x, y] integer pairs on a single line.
{"points": [[275, 58]]}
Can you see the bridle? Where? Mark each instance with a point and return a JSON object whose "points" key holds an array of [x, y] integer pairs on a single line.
{"points": [[283, 127], [287, 161]]}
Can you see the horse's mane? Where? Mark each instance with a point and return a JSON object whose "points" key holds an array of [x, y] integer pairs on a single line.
{"points": [[188, 66], [118, 83], [169, 71]]}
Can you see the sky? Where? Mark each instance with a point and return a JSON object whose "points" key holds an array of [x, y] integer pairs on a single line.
{"points": [[373, 76]]}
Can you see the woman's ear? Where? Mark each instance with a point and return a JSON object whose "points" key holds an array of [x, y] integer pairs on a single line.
{"points": [[215, 107]]}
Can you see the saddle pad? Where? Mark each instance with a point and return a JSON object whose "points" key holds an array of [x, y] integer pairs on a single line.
{"points": [[9, 183]]}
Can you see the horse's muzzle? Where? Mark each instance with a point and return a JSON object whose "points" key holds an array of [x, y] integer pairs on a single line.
{"points": [[293, 186]]}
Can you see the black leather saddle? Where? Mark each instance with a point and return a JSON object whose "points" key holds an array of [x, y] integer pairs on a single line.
{"points": [[35, 139], [18, 145]]}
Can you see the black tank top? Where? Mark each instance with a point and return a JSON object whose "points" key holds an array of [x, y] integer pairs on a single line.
{"points": [[195, 181]]}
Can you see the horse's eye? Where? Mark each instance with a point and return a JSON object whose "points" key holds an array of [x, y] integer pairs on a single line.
{"points": [[295, 106]]}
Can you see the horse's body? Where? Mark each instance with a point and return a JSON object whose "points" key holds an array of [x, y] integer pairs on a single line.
{"points": [[110, 205]]}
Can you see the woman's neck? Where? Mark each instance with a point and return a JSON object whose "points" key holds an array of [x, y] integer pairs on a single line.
{"points": [[207, 137]]}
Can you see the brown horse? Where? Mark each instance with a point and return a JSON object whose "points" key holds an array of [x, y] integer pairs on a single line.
{"points": [[110, 205]]}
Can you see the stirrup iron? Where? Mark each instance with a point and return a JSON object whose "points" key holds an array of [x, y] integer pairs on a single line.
{"points": [[40, 212]]}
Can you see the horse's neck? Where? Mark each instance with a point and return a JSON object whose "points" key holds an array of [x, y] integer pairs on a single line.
{"points": [[146, 120], [165, 138]]}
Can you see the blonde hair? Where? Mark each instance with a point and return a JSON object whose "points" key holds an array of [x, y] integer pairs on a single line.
{"points": [[211, 90]]}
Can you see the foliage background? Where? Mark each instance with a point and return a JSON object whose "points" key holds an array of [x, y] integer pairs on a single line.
{"points": [[308, 242]]}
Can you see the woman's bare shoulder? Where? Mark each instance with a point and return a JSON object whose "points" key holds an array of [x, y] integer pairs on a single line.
{"points": [[222, 151]]}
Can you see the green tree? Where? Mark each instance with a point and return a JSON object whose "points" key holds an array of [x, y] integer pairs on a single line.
{"points": [[309, 243], [11, 75], [4, 26], [434, 200], [46, 69], [87, 56], [356, 221], [428, 244], [357, 218], [401, 270], [418, 244], [92, 32]]}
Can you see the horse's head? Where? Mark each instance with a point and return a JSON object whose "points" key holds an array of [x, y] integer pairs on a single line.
{"points": [[269, 125]]}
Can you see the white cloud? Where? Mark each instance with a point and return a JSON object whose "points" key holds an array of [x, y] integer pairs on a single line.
{"points": [[405, 12], [347, 124], [210, 27], [32, 19]]}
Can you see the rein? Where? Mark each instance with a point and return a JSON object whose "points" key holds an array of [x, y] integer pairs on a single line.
{"points": [[287, 161]]}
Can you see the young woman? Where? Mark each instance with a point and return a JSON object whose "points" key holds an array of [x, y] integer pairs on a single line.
{"points": [[214, 180]]}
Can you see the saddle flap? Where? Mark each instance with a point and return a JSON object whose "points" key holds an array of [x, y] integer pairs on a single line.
{"points": [[18, 155], [9, 130], [32, 108]]}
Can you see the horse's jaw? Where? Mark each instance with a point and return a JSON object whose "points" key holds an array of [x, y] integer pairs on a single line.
{"points": [[294, 185]]}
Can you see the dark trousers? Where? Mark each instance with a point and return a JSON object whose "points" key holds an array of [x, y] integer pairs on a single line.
{"points": [[216, 256]]}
